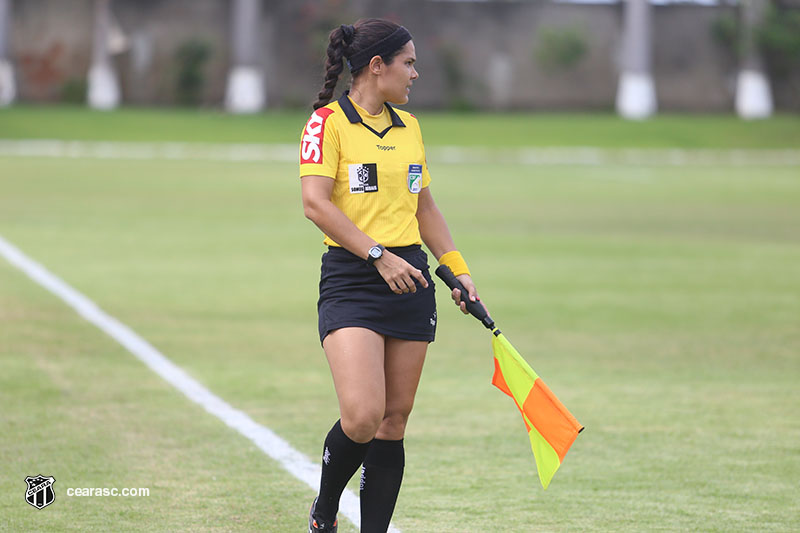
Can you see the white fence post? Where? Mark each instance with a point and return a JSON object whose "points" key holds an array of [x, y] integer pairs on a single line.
{"points": [[753, 91], [8, 87], [636, 93], [103, 86], [245, 91]]}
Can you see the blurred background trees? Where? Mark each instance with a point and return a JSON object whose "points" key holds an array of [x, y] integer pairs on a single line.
{"points": [[635, 56]]}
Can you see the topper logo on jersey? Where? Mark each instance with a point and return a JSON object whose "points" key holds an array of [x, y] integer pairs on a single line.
{"points": [[311, 147]]}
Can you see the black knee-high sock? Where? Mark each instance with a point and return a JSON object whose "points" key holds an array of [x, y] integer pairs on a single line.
{"points": [[341, 457], [380, 484]]}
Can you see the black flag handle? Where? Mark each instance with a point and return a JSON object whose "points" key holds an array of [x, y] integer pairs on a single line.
{"points": [[476, 309]]}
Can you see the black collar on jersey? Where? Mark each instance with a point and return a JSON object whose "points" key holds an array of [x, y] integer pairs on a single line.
{"points": [[354, 118]]}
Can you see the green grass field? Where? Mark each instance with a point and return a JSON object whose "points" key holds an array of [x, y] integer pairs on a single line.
{"points": [[660, 303], [499, 129]]}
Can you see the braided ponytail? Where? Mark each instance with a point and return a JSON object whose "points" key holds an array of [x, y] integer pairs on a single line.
{"points": [[347, 42], [334, 65]]}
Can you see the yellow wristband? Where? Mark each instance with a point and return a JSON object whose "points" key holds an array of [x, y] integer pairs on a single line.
{"points": [[455, 262]]}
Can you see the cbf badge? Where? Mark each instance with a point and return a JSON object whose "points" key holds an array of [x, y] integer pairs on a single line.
{"points": [[414, 178], [363, 177], [40, 492]]}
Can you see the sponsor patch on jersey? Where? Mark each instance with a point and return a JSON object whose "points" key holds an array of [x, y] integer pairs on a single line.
{"points": [[363, 177], [313, 134], [415, 178]]}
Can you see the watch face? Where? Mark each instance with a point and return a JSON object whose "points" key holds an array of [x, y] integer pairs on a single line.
{"points": [[375, 252]]}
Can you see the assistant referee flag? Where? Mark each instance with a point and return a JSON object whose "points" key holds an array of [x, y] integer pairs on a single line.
{"points": [[551, 427]]}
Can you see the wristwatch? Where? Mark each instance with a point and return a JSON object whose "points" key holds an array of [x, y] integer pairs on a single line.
{"points": [[375, 253]]}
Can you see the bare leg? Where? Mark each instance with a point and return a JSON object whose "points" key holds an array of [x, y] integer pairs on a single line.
{"points": [[356, 358], [403, 367], [385, 460]]}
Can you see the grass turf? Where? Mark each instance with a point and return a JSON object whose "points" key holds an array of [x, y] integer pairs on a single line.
{"points": [[499, 129], [659, 303]]}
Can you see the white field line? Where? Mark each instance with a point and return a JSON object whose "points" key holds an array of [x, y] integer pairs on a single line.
{"points": [[280, 450], [289, 153]]}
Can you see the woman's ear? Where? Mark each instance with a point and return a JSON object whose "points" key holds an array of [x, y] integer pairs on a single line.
{"points": [[376, 65]]}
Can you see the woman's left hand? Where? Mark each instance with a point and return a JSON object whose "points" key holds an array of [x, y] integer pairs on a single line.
{"points": [[460, 300]]}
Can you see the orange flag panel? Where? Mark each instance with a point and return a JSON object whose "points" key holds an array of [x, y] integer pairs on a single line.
{"points": [[553, 421]]}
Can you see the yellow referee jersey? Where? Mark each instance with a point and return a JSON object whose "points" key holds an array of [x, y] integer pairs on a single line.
{"points": [[377, 163]]}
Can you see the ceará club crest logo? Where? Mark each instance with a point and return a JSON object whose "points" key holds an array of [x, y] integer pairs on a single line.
{"points": [[40, 491]]}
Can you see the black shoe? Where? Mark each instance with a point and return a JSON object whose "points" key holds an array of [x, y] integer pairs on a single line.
{"points": [[315, 526]]}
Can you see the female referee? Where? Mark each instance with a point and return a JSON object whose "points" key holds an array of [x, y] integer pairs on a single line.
{"points": [[365, 185]]}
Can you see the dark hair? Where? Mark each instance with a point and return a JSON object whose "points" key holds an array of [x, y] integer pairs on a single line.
{"points": [[346, 41]]}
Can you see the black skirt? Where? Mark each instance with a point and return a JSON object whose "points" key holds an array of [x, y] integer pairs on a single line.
{"points": [[353, 294]]}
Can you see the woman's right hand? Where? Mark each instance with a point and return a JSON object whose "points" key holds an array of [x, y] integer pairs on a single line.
{"points": [[398, 273]]}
